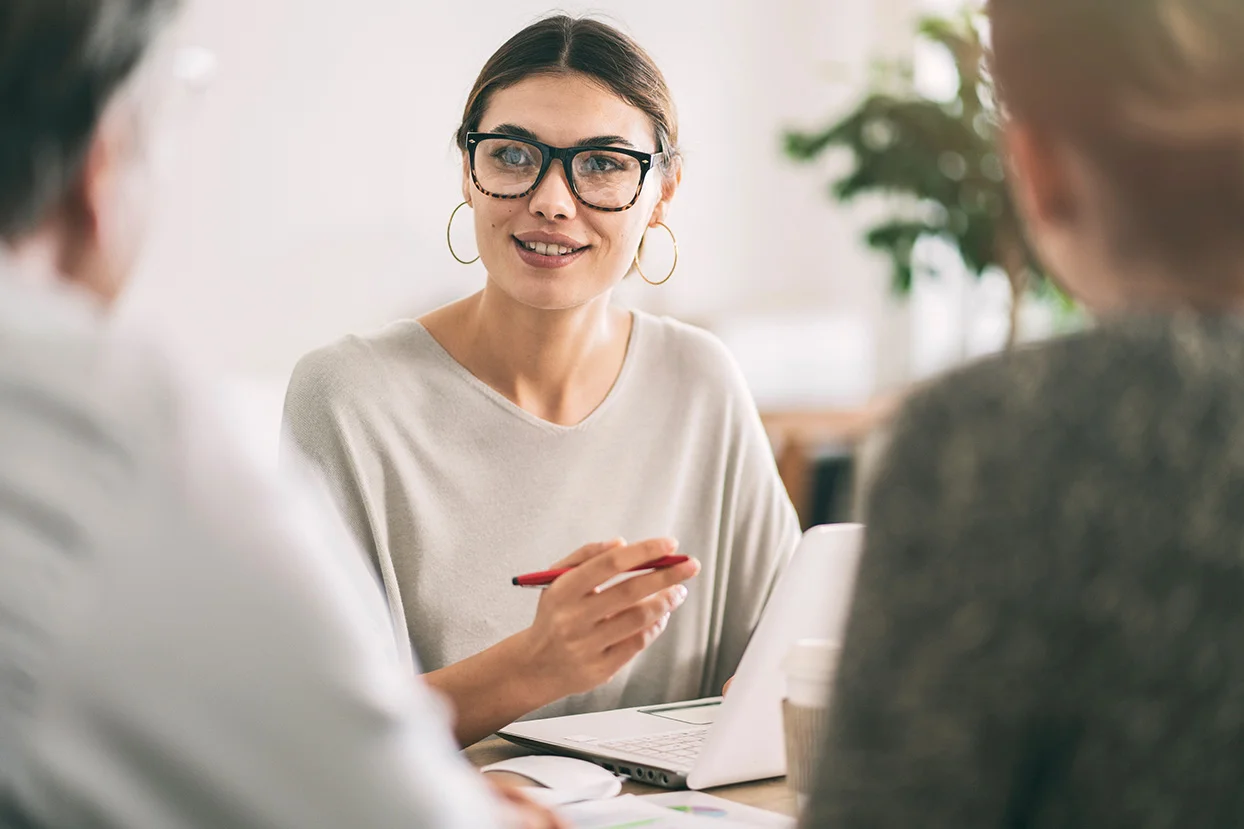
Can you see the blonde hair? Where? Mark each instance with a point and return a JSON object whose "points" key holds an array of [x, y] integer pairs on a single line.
{"points": [[1153, 92], [1197, 93]]}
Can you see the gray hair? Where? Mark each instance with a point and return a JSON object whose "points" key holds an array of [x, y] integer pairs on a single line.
{"points": [[61, 64]]}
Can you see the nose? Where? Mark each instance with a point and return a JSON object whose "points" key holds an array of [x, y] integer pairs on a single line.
{"points": [[553, 198]]}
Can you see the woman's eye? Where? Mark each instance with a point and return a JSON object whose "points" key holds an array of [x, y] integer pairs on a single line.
{"points": [[512, 156], [601, 164]]}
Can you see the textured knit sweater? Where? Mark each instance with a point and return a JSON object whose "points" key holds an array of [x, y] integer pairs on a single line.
{"points": [[1048, 629]]}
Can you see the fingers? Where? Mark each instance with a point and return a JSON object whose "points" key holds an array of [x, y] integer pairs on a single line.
{"points": [[530, 815], [588, 552], [641, 616], [623, 652], [581, 638], [621, 596], [597, 570]]}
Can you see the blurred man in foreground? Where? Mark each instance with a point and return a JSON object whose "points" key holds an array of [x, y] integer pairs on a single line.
{"points": [[182, 643]]}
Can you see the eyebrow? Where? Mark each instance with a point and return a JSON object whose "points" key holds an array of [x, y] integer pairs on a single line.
{"points": [[594, 141]]}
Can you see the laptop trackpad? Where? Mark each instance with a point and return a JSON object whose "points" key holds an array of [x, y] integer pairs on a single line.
{"points": [[698, 712]]}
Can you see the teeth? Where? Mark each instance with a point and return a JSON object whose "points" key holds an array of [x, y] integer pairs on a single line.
{"points": [[547, 250]]}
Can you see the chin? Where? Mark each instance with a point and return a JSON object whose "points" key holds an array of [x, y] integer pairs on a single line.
{"points": [[544, 294], [553, 300]]}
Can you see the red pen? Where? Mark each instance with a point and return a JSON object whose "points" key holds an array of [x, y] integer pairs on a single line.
{"points": [[547, 577]]}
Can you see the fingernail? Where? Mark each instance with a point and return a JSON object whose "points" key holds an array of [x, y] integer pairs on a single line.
{"points": [[677, 597], [671, 544]]}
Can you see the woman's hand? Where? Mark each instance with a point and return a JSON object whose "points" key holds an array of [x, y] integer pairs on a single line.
{"points": [[582, 636], [580, 639]]}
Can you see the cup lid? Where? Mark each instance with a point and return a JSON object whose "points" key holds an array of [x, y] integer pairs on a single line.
{"points": [[812, 659]]}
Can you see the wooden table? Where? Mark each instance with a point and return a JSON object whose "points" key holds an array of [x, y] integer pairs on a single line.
{"points": [[765, 794]]}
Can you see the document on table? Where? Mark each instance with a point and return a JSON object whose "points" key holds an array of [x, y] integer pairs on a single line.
{"points": [[706, 805], [631, 812]]}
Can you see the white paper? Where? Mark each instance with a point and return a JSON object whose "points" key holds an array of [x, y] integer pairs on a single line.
{"points": [[631, 812], [707, 806]]}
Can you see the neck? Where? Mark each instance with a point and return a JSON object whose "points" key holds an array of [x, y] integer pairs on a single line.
{"points": [[1152, 287], [45, 257], [558, 365]]}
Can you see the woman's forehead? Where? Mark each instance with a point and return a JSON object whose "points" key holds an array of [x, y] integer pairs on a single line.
{"points": [[567, 110]]}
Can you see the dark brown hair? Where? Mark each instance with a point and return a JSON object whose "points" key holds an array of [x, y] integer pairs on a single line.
{"points": [[561, 45], [1152, 91]]}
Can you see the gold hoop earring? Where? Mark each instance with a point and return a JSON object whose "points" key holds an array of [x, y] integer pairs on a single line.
{"points": [[673, 239], [449, 239]]}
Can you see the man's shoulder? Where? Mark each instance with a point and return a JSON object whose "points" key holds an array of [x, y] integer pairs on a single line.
{"points": [[85, 414], [95, 418], [82, 389]]}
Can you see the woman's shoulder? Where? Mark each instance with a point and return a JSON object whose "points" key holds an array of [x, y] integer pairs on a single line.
{"points": [[692, 354], [362, 362]]}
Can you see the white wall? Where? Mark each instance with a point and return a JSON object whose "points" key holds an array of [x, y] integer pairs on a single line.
{"points": [[311, 197]]}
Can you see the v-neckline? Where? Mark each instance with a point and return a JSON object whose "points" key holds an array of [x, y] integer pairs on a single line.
{"points": [[508, 405]]}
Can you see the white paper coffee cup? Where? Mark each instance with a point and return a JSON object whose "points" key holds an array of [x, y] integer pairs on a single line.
{"points": [[810, 666]]}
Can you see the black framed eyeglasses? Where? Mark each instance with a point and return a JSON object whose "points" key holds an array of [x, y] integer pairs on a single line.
{"points": [[602, 178]]}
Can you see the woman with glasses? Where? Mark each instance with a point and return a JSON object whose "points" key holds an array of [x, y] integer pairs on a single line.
{"points": [[494, 435]]}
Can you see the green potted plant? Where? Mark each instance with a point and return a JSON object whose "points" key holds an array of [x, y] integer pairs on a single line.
{"points": [[942, 158]]}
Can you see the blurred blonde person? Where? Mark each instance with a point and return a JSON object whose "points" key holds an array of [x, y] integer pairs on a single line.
{"points": [[1048, 630]]}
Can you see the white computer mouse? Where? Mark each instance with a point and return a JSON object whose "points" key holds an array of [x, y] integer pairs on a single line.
{"points": [[569, 780]]}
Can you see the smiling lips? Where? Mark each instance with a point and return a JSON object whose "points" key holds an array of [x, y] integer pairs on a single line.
{"points": [[547, 250]]}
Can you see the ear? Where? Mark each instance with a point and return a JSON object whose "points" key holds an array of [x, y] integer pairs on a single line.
{"points": [[670, 182], [468, 187], [1041, 176], [99, 244], [95, 185]]}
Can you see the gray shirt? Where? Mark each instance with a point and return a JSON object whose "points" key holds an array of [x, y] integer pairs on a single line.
{"points": [[453, 490], [184, 642], [1049, 622]]}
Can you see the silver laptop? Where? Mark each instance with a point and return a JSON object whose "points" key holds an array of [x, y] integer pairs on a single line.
{"points": [[717, 742]]}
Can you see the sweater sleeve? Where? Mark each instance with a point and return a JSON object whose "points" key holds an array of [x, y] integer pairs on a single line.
{"points": [[324, 440], [760, 530]]}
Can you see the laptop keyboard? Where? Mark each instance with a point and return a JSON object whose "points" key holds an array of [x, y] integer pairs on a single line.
{"points": [[673, 745]]}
